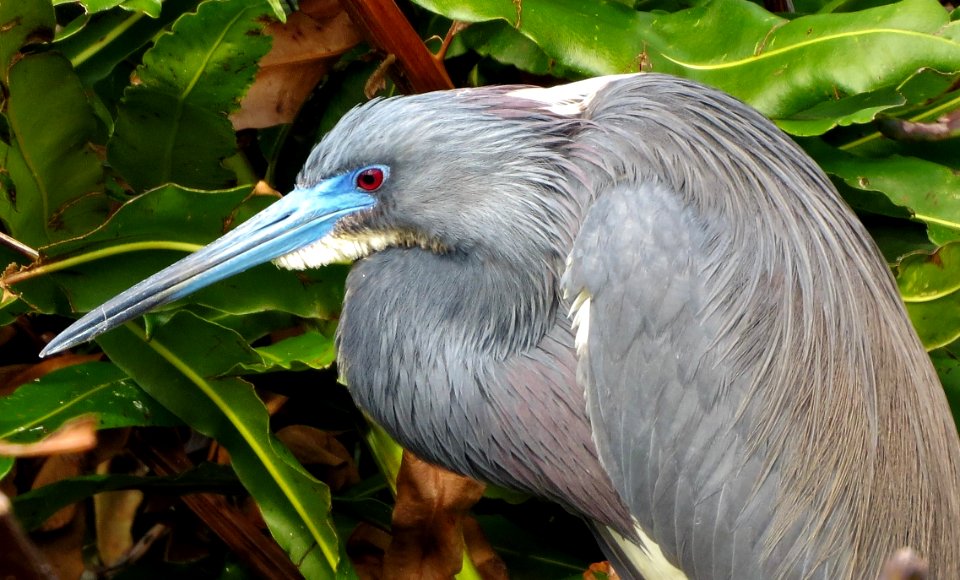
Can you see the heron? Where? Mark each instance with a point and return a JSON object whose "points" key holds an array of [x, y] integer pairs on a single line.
{"points": [[630, 295]]}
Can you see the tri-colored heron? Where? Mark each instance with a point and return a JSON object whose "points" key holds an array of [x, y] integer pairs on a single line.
{"points": [[633, 296]]}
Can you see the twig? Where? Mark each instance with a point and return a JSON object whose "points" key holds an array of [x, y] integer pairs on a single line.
{"points": [[19, 246], [139, 549], [946, 127], [455, 28], [19, 558], [385, 27]]}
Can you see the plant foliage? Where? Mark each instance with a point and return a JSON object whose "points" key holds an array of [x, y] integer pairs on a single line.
{"points": [[118, 155]]}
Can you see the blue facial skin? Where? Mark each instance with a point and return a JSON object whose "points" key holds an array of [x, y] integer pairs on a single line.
{"points": [[297, 220]]}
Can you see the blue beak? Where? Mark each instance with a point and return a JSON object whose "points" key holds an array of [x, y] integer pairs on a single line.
{"points": [[299, 219]]}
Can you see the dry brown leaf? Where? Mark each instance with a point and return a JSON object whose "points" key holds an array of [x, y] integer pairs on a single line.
{"points": [[378, 79], [28, 373], [274, 402], [76, 435], [428, 521], [114, 512], [110, 443], [218, 454], [8, 486], [9, 377], [484, 559], [64, 549], [321, 449], [19, 557], [7, 332], [54, 469], [263, 188], [303, 50], [366, 546], [601, 568]]}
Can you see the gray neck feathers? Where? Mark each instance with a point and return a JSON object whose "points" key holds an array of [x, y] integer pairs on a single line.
{"points": [[419, 331]]}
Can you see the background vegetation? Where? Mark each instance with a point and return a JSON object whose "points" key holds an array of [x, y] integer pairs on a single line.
{"points": [[133, 131]]}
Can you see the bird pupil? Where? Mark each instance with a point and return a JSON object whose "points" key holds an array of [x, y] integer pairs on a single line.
{"points": [[370, 179]]}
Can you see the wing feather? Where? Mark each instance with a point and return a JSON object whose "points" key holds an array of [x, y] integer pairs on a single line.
{"points": [[756, 392]]}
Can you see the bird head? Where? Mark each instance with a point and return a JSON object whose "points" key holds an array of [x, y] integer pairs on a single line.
{"points": [[449, 172]]}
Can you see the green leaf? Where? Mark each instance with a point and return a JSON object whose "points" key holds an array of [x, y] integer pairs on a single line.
{"points": [[855, 109], [147, 234], [928, 84], [179, 365], [172, 126], [948, 367], [813, 58], [926, 276], [567, 30], [280, 8], [925, 188], [930, 285], [500, 41], [104, 42], [149, 7], [160, 214], [310, 350], [914, 98], [731, 44], [529, 554], [11, 308], [36, 506], [134, 243], [55, 175], [37, 409], [23, 22]]}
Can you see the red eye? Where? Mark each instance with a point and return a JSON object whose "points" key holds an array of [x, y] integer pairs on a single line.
{"points": [[370, 179]]}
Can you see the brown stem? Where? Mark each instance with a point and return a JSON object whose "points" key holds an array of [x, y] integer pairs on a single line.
{"points": [[386, 28], [945, 127], [19, 558], [19, 247], [455, 29]]}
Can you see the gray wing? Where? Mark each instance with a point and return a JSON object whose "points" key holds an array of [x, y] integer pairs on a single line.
{"points": [[755, 389], [667, 417]]}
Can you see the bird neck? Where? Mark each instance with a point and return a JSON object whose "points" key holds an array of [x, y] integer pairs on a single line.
{"points": [[421, 333]]}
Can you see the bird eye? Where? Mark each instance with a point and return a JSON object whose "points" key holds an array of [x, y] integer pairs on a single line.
{"points": [[370, 179]]}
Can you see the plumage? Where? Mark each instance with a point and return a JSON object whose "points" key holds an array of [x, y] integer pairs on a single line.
{"points": [[635, 297]]}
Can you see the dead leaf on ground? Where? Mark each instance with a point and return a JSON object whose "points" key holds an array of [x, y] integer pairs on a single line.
{"points": [[428, 540], [322, 452], [601, 570], [115, 512], [484, 559], [304, 48], [366, 547], [74, 436], [54, 469], [14, 376], [64, 549]]}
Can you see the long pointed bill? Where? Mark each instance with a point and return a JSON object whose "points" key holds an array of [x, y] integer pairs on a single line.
{"points": [[298, 220]]}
